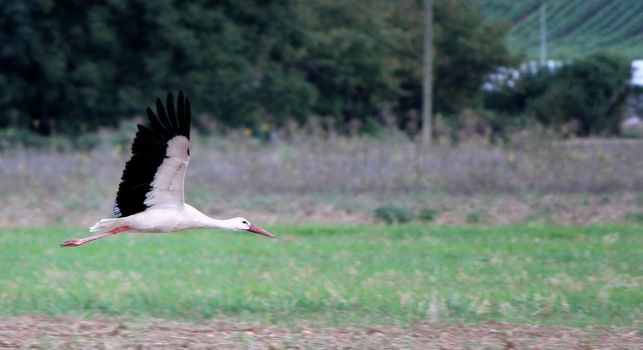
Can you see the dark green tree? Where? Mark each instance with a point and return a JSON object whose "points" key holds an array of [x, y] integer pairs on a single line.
{"points": [[54, 71], [349, 53], [467, 48], [73, 65], [589, 93], [583, 97]]}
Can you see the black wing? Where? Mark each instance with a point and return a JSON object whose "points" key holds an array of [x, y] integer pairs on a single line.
{"points": [[155, 174]]}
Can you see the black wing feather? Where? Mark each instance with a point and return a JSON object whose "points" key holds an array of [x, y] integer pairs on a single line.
{"points": [[160, 111], [187, 118], [155, 124], [170, 112], [180, 106], [148, 152]]}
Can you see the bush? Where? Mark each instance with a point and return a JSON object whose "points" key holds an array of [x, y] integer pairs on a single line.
{"points": [[634, 217], [586, 96], [588, 93], [428, 214], [11, 137], [392, 214], [474, 217]]}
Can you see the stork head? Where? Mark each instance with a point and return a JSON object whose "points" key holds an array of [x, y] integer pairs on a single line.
{"points": [[245, 225]]}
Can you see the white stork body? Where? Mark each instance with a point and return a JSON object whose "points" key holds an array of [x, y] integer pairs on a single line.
{"points": [[166, 220], [150, 197]]}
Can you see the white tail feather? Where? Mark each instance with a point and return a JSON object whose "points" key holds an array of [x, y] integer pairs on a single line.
{"points": [[104, 224]]}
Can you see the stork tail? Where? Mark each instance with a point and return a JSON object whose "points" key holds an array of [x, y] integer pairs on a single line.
{"points": [[104, 224]]}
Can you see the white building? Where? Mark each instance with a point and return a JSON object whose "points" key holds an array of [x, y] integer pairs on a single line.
{"points": [[637, 73]]}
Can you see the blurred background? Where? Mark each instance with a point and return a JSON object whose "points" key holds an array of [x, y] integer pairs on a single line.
{"points": [[325, 117], [315, 100]]}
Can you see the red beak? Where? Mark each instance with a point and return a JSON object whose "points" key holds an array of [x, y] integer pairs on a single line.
{"points": [[259, 230]]}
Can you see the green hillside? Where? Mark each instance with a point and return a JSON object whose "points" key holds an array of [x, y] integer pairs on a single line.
{"points": [[574, 27]]}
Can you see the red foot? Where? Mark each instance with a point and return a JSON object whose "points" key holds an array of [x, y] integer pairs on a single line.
{"points": [[71, 243]]}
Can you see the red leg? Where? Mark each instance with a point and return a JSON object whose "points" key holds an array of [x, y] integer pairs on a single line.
{"points": [[81, 241]]}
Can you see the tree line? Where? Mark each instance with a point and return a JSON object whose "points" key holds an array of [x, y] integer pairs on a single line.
{"points": [[71, 66]]}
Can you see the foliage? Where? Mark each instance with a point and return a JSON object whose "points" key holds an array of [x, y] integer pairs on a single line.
{"points": [[589, 92], [350, 49], [333, 275], [467, 48], [635, 217], [428, 214], [72, 66], [85, 65], [12, 137], [586, 96], [474, 217], [392, 214]]}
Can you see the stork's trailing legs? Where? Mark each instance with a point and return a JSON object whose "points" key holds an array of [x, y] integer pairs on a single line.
{"points": [[81, 241]]}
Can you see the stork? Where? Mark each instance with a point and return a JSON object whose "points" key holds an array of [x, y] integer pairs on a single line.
{"points": [[150, 196]]}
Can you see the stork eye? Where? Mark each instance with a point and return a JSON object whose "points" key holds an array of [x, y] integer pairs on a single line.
{"points": [[244, 222]]}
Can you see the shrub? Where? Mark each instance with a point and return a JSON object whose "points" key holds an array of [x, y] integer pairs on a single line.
{"points": [[428, 214], [392, 214], [587, 95], [11, 136], [634, 217], [474, 217], [85, 142]]}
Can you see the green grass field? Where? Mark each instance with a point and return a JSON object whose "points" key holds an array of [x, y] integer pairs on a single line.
{"points": [[334, 275]]}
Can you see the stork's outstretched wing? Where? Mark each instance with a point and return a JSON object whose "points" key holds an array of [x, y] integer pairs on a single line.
{"points": [[155, 174]]}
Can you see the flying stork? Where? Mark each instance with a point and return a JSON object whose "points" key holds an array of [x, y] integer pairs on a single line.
{"points": [[150, 195]]}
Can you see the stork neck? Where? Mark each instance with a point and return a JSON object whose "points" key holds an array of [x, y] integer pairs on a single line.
{"points": [[200, 220], [216, 223]]}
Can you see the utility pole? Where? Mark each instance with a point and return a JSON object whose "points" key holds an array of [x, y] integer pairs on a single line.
{"points": [[543, 32], [427, 75]]}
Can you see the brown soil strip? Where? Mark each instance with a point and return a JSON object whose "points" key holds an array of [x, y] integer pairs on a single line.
{"points": [[123, 333]]}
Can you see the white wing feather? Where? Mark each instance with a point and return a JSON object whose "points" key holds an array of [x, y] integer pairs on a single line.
{"points": [[167, 187]]}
